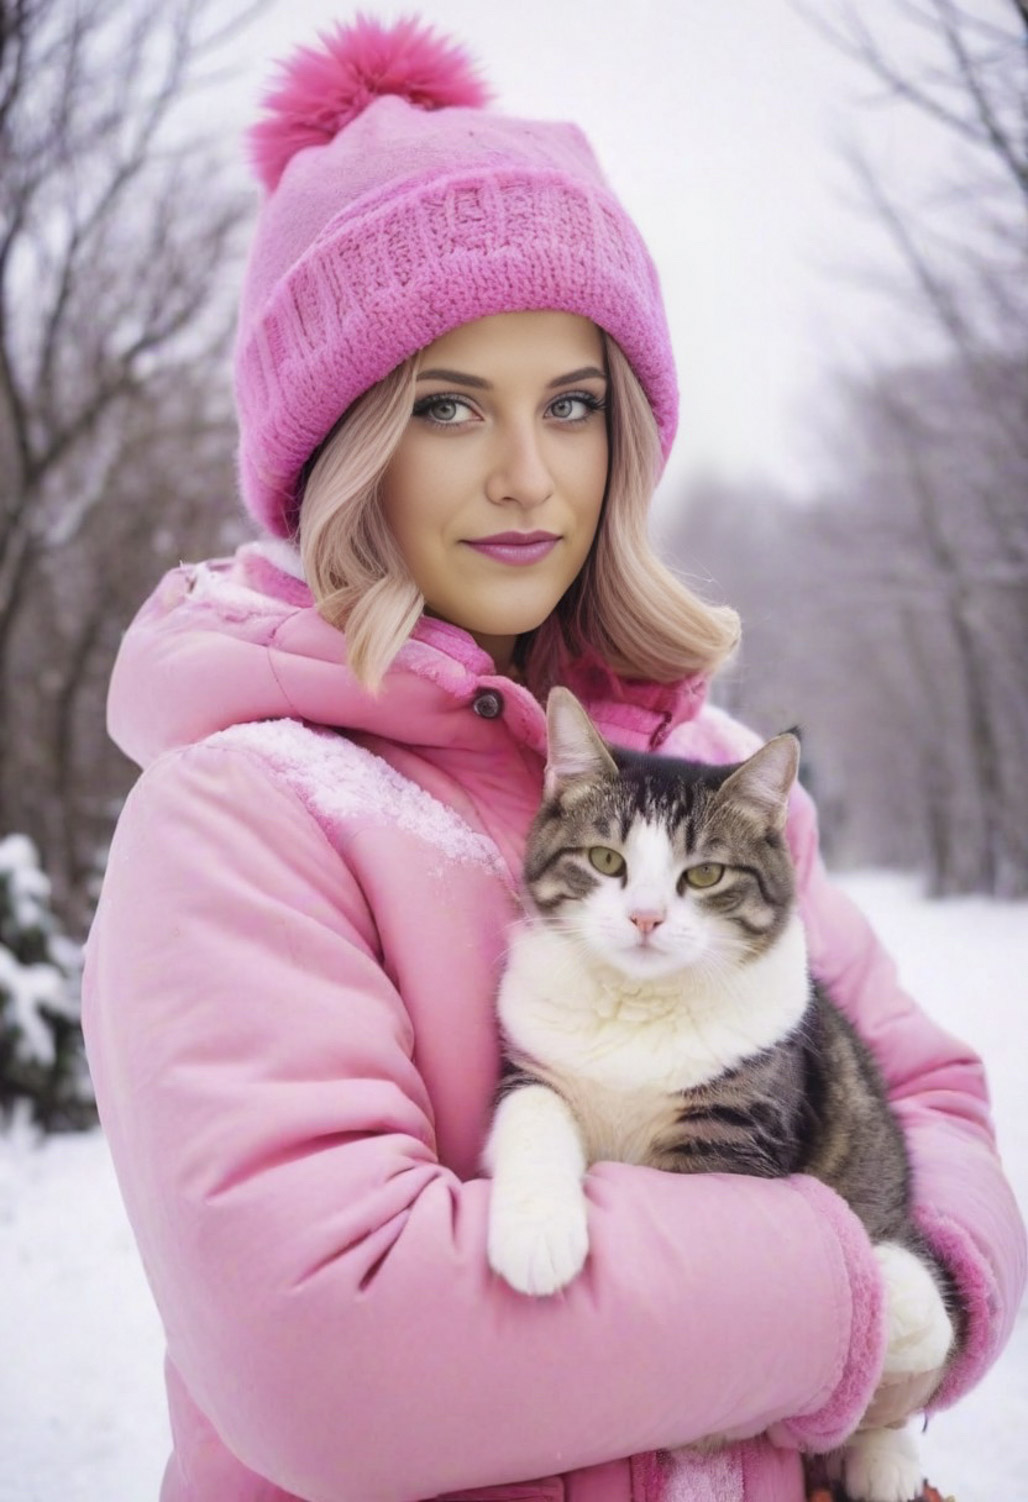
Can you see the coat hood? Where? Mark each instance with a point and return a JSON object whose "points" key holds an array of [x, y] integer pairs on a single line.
{"points": [[237, 639]]}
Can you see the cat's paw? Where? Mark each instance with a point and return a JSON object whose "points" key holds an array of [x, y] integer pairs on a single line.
{"points": [[538, 1239], [878, 1465], [919, 1330]]}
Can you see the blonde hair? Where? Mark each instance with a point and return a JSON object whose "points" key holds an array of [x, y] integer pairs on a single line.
{"points": [[625, 604]]}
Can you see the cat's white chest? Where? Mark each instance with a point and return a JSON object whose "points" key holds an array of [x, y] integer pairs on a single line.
{"points": [[592, 1027], [617, 1124]]}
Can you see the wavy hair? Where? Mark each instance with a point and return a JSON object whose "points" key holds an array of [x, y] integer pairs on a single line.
{"points": [[624, 605]]}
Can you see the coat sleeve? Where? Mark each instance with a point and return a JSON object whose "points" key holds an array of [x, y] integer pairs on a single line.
{"points": [[937, 1087], [322, 1278]]}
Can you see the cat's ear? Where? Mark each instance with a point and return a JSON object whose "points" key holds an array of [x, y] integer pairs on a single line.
{"points": [[764, 782], [574, 747]]}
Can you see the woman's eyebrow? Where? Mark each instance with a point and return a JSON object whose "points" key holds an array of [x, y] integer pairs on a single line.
{"points": [[461, 378], [458, 377], [585, 374]]}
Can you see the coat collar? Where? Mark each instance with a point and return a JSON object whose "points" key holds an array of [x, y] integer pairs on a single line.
{"points": [[237, 639]]}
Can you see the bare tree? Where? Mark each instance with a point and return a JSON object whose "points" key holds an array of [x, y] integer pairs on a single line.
{"points": [[932, 531], [964, 246], [117, 224], [887, 618], [930, 507]]}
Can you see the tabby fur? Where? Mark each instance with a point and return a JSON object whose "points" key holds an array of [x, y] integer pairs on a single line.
{"points": [[657, 1009]]}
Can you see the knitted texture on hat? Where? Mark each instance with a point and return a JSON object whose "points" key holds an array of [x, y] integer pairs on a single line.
{"points": [[394, 215]]}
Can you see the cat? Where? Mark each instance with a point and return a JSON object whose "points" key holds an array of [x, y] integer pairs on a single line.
{"points": [[656, 1008]]}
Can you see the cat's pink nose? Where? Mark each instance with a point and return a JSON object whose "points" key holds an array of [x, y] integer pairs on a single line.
{"points": [[646, 922]]}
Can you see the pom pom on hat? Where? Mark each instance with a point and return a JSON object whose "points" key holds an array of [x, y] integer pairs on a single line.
{"points": [[322, 89]]}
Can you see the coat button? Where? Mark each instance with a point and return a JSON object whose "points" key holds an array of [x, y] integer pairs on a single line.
{"points": [[488, 704]]}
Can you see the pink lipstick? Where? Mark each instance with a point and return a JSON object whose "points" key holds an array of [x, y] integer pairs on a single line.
{"points": [[515, 547]]}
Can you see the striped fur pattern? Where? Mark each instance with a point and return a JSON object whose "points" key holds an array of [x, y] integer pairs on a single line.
{"points": [[745, 1065], [657, 1009]]}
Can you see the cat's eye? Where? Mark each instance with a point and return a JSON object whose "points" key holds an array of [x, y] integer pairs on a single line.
{"points": [[707, 875], [606, 860]]}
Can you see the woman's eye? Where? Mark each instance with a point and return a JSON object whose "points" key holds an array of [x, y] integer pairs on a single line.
{"points": [[606, 860], [575, 408], [707, 875], [446, 411]]}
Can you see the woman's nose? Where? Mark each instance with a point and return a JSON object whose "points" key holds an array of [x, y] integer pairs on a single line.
{"points": [[519, 471]]}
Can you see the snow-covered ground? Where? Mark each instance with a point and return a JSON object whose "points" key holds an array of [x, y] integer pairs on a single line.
{"points": [[81, 1398]]}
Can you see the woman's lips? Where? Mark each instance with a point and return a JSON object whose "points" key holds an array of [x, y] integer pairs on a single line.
{"points": [[516, 547]]}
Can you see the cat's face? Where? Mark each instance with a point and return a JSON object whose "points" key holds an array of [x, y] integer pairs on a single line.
{"points": [[655, 865]]}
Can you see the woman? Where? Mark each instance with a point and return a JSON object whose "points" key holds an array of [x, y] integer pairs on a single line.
{"points": [[455, 390]]}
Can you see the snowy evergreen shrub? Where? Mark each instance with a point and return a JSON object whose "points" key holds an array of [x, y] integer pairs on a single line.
{"points": [[42, 1066]]}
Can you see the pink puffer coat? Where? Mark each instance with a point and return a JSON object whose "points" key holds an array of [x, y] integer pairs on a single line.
{"points": [[288, 1010]]}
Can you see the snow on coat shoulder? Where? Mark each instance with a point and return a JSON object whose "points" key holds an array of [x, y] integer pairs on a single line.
{"points": [[338, 781]]}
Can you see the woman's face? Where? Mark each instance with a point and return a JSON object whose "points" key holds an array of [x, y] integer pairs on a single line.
{"points": [[494, 493]]}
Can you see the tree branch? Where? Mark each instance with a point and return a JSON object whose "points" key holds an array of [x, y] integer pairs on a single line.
{"points": [[1001, 143]]}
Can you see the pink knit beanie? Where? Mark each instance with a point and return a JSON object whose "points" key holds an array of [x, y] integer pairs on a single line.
{"points": [[396, 208]]}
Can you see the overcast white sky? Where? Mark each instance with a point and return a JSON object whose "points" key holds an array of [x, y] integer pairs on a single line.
{"points": [[717, 126]]}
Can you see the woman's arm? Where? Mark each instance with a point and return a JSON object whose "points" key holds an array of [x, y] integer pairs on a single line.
{"points": [[937, 1087], [323, 1279]]}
